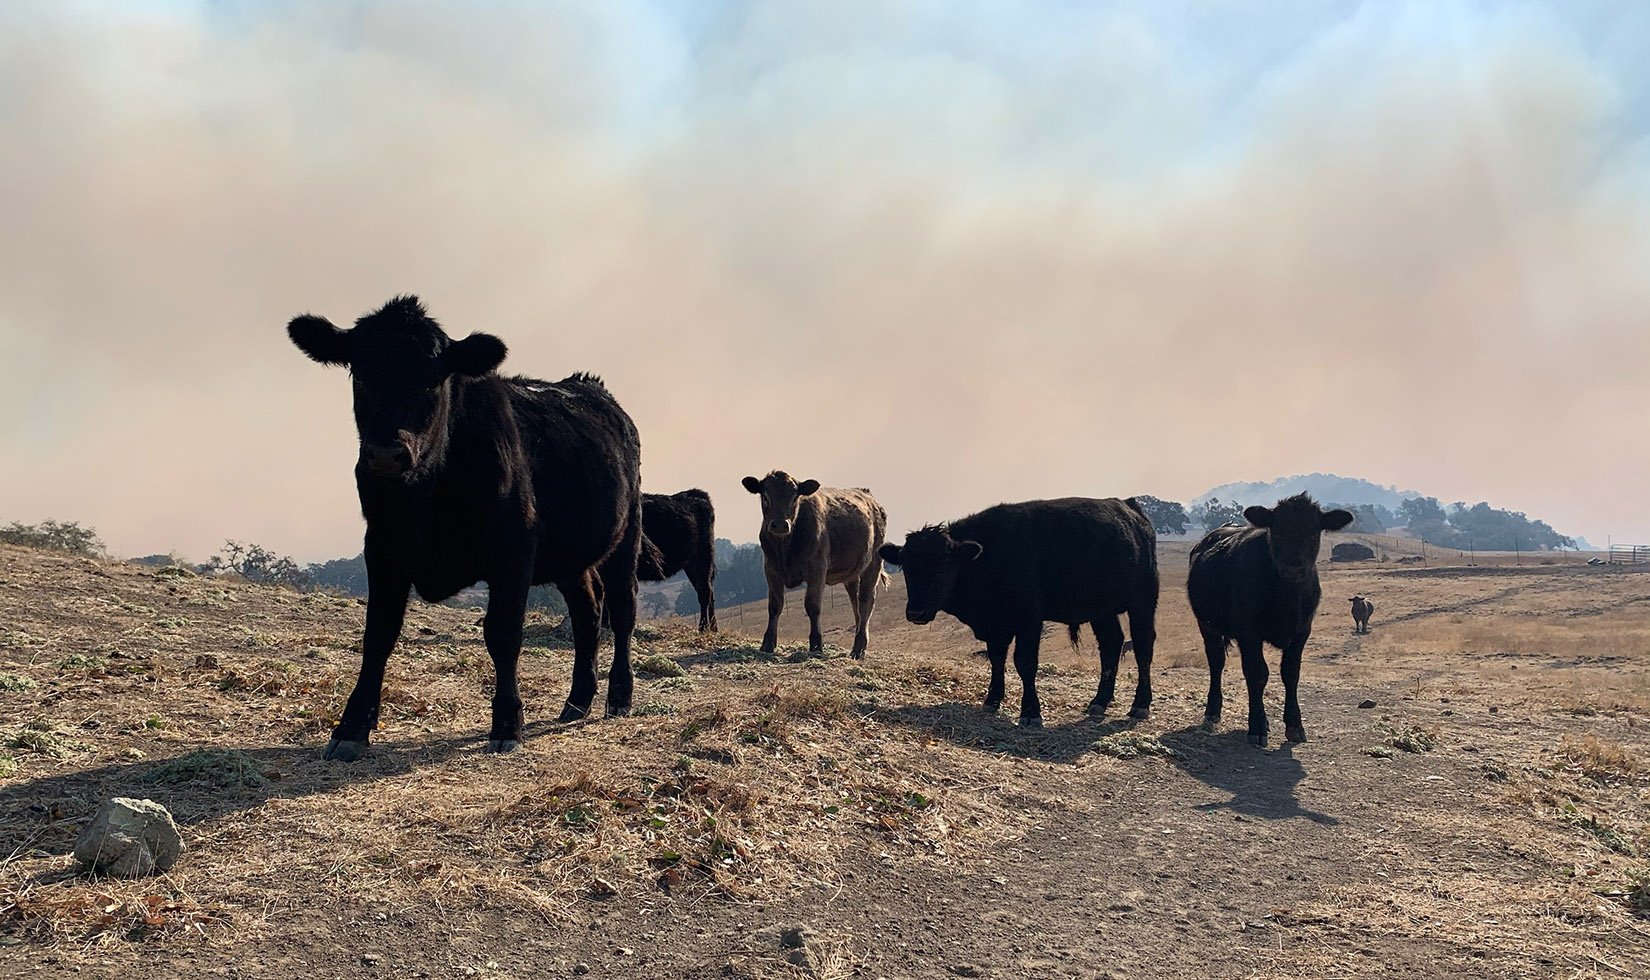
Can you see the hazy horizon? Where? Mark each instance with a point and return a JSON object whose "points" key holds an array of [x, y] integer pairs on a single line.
{"points": [[959, 253]]}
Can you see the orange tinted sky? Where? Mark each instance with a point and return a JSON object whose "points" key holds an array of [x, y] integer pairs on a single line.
{"points": [[958, 253]]}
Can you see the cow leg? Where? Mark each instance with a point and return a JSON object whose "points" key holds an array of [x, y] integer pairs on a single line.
{"points": [[812, 600], [387, 592], [1290, 671], [621, 676], [1143, 631], [506, 608], [703, 588], [1109, 634], [997, 650], [1025, 664], [584, 601], [1214, 648], [867, 601], [776, 605], [1254, 675]]}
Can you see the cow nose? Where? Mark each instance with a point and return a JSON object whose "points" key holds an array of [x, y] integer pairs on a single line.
{"points": [[779, 527], [385, 459]]}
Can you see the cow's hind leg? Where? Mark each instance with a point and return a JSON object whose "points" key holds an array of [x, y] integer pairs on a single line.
{"points": [[704, 588], [1143, 633], [1290, 670], [506, 608], [387, 593], [864, 592], [620, 602], [1254, 676], [1026, 644], [996, 650], [584, 600], [1109, 634], [1214, 648]]}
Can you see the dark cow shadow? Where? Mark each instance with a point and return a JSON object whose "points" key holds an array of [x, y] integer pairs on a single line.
{"points": [[46, 813], [1065, 740], [1262, 781]]}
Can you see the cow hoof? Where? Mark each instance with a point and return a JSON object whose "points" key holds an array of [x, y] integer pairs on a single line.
{"points": [[618, 711], [1140, 712], [1210, 723], [501, 746], [991, 707], [1097, 708], [1295, 733], [572, 713], [1257, 739], [345, 750], [1035, 721], [768, 647], [857, 654]]}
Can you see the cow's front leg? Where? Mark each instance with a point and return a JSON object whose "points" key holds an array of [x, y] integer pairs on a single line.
{"points": [[811, 602], [387, 591], [996, 650], [1026, 644], [1254, 676], [776, 605], [1290, 670], [506, 608]]}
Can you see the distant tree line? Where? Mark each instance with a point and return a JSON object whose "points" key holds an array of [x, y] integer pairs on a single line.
{"points": [[1479, 527], [67, 536]]}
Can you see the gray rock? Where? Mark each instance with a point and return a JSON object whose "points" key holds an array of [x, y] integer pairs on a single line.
{"points": [[1366, 703], [129, 839]]}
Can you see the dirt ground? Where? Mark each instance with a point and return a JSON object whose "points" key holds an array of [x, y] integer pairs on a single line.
{"points": [[808, 816]]}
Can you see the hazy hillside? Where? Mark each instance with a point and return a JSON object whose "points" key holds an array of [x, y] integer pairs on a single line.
{"points": [[1323, 486]]}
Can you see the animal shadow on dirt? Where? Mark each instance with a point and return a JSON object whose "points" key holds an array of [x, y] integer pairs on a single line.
{"points": [[1262, 783], [970, 727], [47, 813]]}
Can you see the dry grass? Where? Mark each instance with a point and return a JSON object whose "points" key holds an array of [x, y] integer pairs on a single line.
{"points": [[750, 778]]}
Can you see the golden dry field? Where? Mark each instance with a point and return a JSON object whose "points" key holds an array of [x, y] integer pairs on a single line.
{"points": [[808, 816]]}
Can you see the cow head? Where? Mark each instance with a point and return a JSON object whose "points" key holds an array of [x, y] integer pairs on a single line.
{"points": [[402, 365], [930, 559], [1294, 529], [781, 499]]}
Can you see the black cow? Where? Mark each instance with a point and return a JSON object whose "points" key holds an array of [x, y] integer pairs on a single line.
{"points": [[1259, 585], [1362, 609], [1010, 568], [467, 476], [682, 526]]}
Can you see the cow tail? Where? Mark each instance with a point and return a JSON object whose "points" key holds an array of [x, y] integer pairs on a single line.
{"points": [[882, 578], [650, 563]]}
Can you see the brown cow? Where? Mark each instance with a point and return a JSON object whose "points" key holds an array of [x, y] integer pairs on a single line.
{"points": [[1362, 609], [819, 536]]}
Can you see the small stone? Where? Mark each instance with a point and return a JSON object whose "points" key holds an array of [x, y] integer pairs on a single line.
{"points": [[966, 970], [129, 839], [581, 968], [1366, 703], [369, 959], [1494, 710], [624, 951]]}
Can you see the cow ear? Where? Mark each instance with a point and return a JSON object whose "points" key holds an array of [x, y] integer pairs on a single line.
{"points": [[968, 550], [318, 338], [889, 553], [807, 487], [752, 484], [1335, 520], [1258, 516], [474, 356]]}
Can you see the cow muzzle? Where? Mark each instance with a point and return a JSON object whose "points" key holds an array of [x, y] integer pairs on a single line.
{"points": [[386, 461], [779, 528], [922, 617]]}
